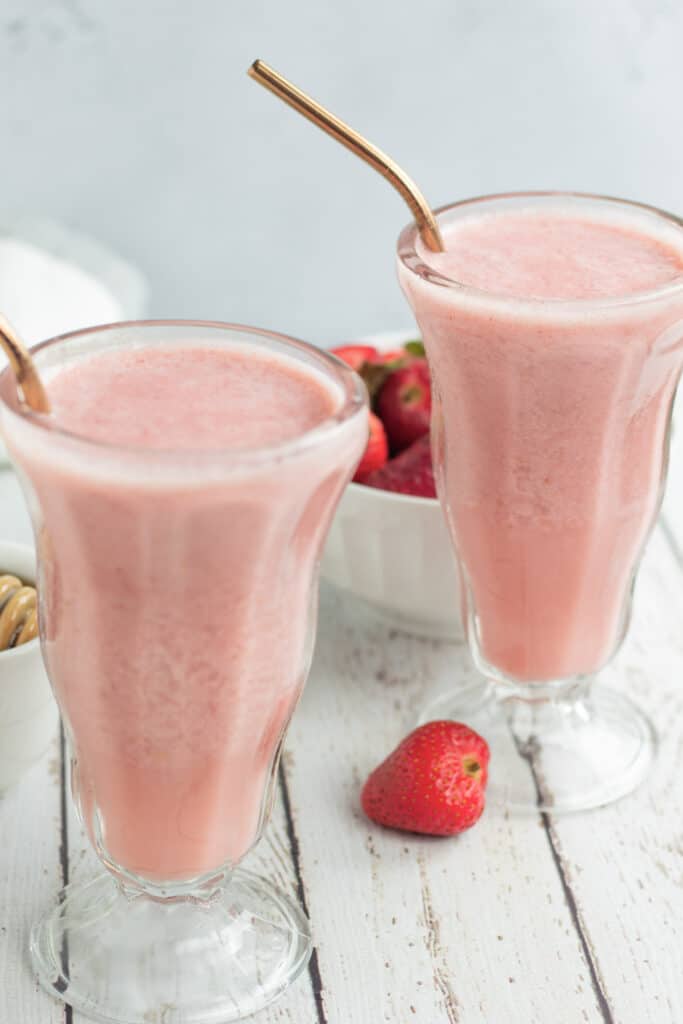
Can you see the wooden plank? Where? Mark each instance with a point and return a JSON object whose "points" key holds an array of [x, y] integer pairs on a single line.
{"points": [[30, 879], [624, 863], [469, 930]]}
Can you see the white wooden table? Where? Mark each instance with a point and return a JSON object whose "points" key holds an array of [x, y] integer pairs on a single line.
{"points": [[520, 921]]}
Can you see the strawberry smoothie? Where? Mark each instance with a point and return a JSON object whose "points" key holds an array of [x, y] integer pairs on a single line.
{"points": [[179, 533], [554, 330]]}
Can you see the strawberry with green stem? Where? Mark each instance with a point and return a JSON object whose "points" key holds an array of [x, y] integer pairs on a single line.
{"points": [[433, 783]]}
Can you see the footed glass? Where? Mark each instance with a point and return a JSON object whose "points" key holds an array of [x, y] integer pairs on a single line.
{"points": [[550, 431], [178, 597]]}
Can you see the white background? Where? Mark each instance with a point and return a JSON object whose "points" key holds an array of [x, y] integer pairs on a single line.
{"points": [[134, 121]]}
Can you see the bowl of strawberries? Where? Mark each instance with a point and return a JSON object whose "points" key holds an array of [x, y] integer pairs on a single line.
{"points": [[388, 544]]}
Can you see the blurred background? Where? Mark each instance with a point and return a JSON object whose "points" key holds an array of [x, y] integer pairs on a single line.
{"points": [[136, 124]]}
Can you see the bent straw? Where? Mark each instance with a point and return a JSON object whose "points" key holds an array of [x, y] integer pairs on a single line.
{"points": [[342, 132], [29, 385]]}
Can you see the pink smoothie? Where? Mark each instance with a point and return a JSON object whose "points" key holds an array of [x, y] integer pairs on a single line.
{"points": [[552, 416], [179, 587]]}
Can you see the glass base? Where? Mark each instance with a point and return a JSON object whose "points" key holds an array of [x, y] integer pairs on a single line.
{"points": [[587, 749], [124, 957]]}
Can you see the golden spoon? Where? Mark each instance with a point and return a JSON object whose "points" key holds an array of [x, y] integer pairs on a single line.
{"points": [[29, 384], [304, 104]]}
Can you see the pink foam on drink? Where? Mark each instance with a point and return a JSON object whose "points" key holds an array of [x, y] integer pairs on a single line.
{"points": [[199, 398], [177, 598], [555, 421], [555, 256]]}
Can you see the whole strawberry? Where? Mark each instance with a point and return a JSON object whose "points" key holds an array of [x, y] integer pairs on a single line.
{"points": [[376, 452], [355, 356], [411, 472], [433, 782], [404, 404]]}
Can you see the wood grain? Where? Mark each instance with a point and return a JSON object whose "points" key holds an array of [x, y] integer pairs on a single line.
{"points": [[30, 878], [439, 931], [625, 862]]}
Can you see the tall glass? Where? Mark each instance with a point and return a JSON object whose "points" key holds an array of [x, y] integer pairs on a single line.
{"points": [[178, 597], [550, 438]]}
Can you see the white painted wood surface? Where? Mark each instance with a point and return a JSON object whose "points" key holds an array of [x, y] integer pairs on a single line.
{"points": [[520, 921]]}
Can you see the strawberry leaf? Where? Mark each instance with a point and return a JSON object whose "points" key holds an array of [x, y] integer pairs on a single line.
{"points": [[415, 348]]}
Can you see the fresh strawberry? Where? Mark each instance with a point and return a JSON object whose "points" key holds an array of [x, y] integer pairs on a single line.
{"points": [[355, 355], [432, 783], [377, 451], [411, 472], [404, 404]]}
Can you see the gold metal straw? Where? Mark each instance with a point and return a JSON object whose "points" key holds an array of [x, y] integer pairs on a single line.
{"points": [[29, 384], [304, 104]]}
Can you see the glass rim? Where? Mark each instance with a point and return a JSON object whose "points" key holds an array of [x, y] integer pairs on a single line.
{"points": [[409, 257], [353, 398]]}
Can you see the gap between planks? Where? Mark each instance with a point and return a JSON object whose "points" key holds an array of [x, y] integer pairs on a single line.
{"points": [[571, 902], [314, 962], [64, 849], [392, 912]]}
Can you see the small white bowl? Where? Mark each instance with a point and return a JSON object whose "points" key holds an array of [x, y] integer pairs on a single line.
{"points": [[393, 551], [28, 713]]}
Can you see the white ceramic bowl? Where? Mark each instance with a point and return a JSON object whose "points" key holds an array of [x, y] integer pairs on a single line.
{"points": [[28, 713], [393, 551]]}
